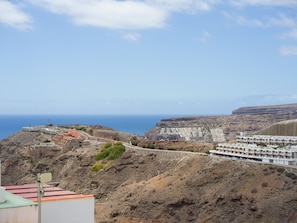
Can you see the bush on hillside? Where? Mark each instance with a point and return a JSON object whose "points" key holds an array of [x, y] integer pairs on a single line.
{"points": [[97, 166], [111, 151], [81, 128]]}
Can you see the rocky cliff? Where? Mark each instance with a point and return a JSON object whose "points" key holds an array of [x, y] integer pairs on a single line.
{"points": [[221, 128], [272, 109]]}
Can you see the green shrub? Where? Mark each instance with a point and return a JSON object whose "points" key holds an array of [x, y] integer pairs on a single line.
{"points": [[102, 154], [107, 145], [32, 160], [116, 151], [280, 169], [171, 148], [151, 146], [134, 141], [97, 166], [111, 151], [81, 128]]}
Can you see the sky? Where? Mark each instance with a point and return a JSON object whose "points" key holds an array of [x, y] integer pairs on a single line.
{"points": [[196, 57]]}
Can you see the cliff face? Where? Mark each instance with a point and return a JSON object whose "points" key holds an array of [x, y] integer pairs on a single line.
{"points": [[220, 128], [273, 109], [230, 126]]}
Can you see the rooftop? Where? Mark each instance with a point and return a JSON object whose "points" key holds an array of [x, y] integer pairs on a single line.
{"points": [[51, 193], [13, 201]]}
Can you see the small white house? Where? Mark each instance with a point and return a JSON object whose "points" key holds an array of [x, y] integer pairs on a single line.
{"points": [[14, 209]]}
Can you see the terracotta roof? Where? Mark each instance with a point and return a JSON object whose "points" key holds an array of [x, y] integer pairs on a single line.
{"points": [[29, 191]]}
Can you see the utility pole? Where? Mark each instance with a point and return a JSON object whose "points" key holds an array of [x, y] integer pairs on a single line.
{"points": [[39, 188], [41, 178]]}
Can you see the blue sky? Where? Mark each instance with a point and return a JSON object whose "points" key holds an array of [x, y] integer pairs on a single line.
{"points": [[146, 57]]}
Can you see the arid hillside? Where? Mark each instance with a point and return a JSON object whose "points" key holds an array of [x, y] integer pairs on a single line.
{"points": [[208, 128], [285, 128], [149, 185]]}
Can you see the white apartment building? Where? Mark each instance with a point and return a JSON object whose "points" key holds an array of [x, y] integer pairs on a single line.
{"points": [[268, 140], [268, 149]]}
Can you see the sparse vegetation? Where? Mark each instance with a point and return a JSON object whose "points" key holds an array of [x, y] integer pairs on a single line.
{"points": [[81, 128], [264, 184], [134, 141], [151, 146], [280, 169], [116, 136], [91, 132], [111, 151], [97, 166], [32, 160]]}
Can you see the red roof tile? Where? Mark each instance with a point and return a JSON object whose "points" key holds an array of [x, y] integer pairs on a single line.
{"points": [[29, 191]]}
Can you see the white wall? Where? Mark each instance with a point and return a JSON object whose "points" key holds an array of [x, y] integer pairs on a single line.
{"points": [[80, 210], [26, 214]]}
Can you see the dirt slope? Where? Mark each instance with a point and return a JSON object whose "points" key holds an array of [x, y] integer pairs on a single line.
{"points": [[154, 187]]}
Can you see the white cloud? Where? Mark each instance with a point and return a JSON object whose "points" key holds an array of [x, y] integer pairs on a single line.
{"points": [[125, 14], [291, 34], [107, 13], [12, 15], [183, 5], [241, 3], [138, 14], [288, 50], [204, 37], [281, 98], [241, 20], [131, 36], [279, 20], [282, 20]]}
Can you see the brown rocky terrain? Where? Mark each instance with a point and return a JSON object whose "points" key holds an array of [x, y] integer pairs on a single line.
{"points": [[161, 181], [246, 119], [149, 185]]}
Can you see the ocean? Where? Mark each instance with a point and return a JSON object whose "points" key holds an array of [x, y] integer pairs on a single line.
{"points": [[136, 124]]}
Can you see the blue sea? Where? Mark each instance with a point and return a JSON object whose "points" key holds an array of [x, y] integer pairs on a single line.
{"points": [[136, 124]]}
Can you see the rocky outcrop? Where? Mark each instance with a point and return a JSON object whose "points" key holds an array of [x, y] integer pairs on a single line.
{"points": [[273, 109]]}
